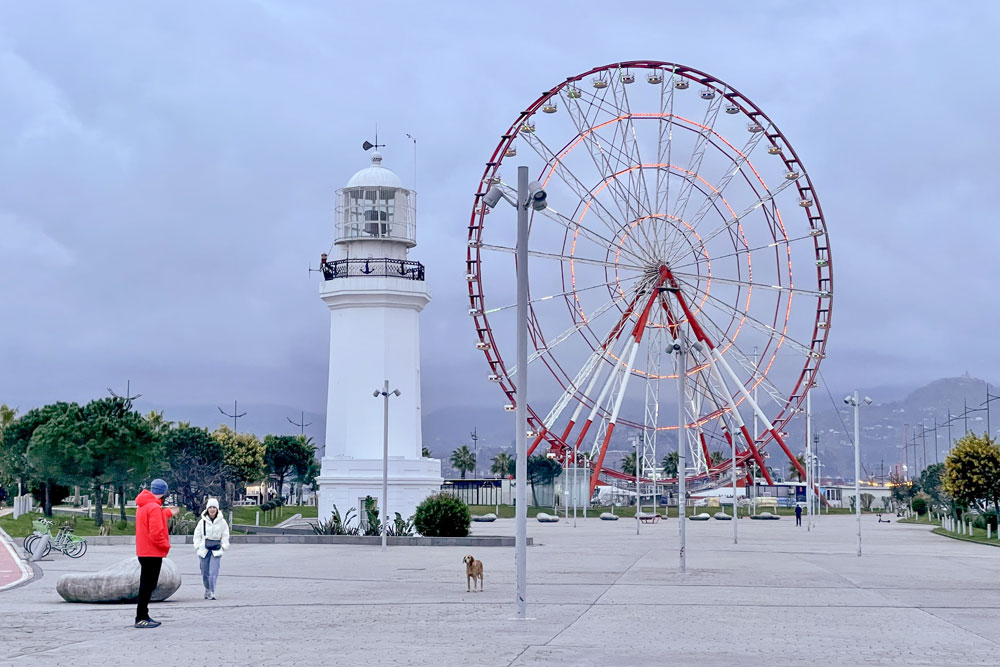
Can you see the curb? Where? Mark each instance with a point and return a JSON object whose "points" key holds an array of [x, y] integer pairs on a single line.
{"points": [[355, 540], [26, 572]]}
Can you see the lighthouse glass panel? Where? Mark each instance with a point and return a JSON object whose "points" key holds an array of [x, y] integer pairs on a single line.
{"points": [[375, 213]]}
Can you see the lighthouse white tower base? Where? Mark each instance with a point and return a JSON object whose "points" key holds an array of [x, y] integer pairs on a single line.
{"points": [[346, 481]]}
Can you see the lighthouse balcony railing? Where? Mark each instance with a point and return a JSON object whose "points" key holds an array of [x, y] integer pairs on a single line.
{"points": [[373, 268]]}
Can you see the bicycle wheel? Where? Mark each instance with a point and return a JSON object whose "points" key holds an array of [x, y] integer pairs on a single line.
{"points": [[75, 549], [47, 551], [29, 540]]}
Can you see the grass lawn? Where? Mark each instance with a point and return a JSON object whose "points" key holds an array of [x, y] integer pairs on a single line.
{"points": [[248, 515], [21, 527], [978, 534]]}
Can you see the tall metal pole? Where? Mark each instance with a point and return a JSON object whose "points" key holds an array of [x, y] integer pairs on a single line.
{"points": [[755, 434], [521, 396], [817, 478], [950, 441], [681, 446], [923, 442], [637, 504], [736, 512], [385, 462], [809, 466], [857, 465]]}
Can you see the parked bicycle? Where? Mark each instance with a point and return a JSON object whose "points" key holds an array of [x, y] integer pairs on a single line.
{"points": [[63, 541]]}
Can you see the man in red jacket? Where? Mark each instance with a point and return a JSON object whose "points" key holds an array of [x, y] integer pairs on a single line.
{"points": [[152, 542]]}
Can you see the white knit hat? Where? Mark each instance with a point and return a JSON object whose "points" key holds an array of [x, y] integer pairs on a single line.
{"points": [[212, 502]]}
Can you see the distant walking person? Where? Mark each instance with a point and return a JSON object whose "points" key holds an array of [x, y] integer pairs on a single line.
{"points": [[152, 542], [798, 514], [211, 540]]}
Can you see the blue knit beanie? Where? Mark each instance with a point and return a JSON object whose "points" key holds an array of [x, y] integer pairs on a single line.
{"points": [[158, 487]]}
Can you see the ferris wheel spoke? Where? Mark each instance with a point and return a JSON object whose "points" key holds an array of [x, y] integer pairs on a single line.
{"points": [[575, 290], [576, 227], [563, 258], [735, 168], [570, 179], [771, 194], [747, 284], [630, 147], [767, 329], [697, 155], [664, 148], [745, 251], [568, 333], [601, 157]]}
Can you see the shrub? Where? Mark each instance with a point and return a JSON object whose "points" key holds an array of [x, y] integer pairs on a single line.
{"points": [[442, 515], [920, 505], [336, 525], [983, 519]]}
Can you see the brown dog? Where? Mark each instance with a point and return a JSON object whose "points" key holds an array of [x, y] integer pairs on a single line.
{"points": [[473, 572]]}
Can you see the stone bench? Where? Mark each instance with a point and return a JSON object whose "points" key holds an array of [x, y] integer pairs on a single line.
{"points": [[484, 518], [765, 516], [546, 518], [117, 583], [722, 516], [704, 516], [608, 516]]}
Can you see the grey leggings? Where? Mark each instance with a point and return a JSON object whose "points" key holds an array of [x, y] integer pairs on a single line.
{"points": [[209, 571]]}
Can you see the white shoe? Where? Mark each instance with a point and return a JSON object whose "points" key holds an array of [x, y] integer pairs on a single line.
{"points": [[207, 593], [211, 595]]}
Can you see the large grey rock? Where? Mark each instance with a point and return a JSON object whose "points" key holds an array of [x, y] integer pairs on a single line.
{"points": [[608, 516], [118, 583], [546, 518]]}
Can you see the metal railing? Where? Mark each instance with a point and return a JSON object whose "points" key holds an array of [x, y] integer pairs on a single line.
{"points": [[373, 268]]}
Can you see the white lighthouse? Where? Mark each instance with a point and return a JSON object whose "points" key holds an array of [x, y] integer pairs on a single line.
{"points": [[375, 295]]}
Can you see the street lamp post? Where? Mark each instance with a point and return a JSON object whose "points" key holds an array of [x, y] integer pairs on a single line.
{"points": [[528, 195], [385, 393], [856, 403]]}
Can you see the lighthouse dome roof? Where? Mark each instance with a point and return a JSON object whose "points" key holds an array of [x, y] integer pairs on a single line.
{"points": [[375, 176]]}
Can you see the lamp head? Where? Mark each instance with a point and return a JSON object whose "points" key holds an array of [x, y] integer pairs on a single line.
{"points": [[536, 196], [492, 196], [847, 399], [395, 392], [377, 393], [868, 400]]}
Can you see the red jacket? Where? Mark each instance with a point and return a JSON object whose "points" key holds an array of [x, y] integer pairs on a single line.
{"points": [[151, 535]]}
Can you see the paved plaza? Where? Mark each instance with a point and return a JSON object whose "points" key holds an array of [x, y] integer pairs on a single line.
{"points": [[598, 595]]}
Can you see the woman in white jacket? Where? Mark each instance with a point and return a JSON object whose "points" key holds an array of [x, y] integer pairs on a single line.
{"points": [[211, 540]]}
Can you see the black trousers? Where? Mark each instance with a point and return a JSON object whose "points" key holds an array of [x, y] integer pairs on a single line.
{"points": [[149, 575], [798, 519]]}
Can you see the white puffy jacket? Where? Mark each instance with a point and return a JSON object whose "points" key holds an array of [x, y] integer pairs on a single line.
{"points": [[212, 530]]}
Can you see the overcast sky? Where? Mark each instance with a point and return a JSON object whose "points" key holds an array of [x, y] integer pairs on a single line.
{"points": [[167, 174]]}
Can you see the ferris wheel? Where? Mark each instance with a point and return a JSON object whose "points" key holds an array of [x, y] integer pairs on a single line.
{"points": [[676, 213]]}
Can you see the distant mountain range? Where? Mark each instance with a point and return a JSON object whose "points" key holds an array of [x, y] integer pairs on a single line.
{"points": [[885, 425]]}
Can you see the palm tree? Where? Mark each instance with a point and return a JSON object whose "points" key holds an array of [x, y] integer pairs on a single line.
{"points": [[716, 458], [424, 452], [628, 464], [669, 464], [501, 464], [463, 460], [793, 472]]}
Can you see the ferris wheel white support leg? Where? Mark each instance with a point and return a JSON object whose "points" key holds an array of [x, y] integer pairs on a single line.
{"points": [[564, 400], [768, 426], [740, 424], [614, 416], [604, 393]]}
